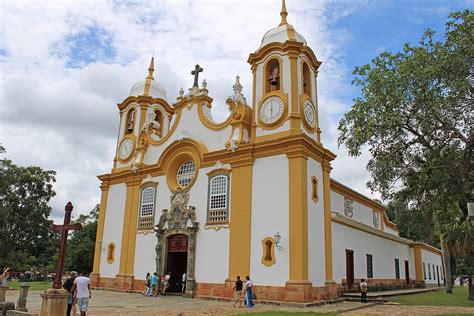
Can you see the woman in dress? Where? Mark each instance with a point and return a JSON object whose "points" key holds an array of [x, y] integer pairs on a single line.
{"points": [[148, 291]]}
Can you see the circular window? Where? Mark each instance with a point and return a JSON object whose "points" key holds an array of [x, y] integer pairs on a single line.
{"points": [[185, 174]]}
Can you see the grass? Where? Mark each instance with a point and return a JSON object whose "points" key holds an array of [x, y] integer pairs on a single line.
{"points": [[289, 313], [438, 298], [43, 285]]}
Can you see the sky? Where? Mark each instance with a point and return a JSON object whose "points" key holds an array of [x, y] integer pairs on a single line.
{"points": [[64, 65]]}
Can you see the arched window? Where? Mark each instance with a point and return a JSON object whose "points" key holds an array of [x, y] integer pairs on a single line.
{"points": [[185, 174], [130, 123], [272, 75], [110, 252], [147, 208], [218, 199], [306, 80], [159, 120]]}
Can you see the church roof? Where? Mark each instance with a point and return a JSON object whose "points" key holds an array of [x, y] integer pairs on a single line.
{"points": [[283, 32], [149, 86]]}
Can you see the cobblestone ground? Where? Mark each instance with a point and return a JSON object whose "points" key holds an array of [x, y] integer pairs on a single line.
{"points": [[116, 303], [411, 310]]}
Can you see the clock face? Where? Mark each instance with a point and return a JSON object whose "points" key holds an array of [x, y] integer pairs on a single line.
{"points": [[310, 114], [125, 148], [271, 110]]}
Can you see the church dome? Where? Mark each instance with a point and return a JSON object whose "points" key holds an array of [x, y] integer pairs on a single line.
{"points": [[155, 90], [149, 86], [283, 32]]}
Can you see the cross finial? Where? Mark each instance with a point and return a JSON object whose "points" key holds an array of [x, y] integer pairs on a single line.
{"points": [[151, 69], [283, 13], [195, 73]]}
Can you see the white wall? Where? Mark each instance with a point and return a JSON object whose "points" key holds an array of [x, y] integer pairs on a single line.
{"points": [[113, 229], [433, 260], [316, 254], [270, 201], [384, 252]]}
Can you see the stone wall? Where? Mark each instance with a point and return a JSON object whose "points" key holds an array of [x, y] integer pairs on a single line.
{"points": [[376, 285]]}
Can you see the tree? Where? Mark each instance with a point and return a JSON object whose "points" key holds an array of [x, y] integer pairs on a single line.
{"points": [[80, 251], [416, 116], [24, 211]]}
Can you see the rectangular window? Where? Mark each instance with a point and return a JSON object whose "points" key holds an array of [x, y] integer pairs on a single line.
{"points": [[397, 269], [370, 269], [429, 271], [424, 271], [147, 208], [218, 203]]}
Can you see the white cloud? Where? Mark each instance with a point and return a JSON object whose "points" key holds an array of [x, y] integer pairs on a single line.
{"points": [[66, 119]]}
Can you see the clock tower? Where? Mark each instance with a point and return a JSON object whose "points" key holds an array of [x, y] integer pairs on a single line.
{"points": [[284, 83]]}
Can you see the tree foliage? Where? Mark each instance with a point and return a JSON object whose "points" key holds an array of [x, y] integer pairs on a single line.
{"points": [[24, 211]]}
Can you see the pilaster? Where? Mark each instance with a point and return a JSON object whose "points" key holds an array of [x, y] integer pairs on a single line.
{"points": [[327, 222]]}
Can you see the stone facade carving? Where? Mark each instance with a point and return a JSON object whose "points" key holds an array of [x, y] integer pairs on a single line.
{"points": [[179, 219]]}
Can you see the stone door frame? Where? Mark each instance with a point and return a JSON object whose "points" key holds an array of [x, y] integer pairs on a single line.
{"points": [[162, 252]]}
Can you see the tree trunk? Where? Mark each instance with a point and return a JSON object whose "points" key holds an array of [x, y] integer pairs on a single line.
{"points": [[470, 290], [466, 165], [447, 265]]}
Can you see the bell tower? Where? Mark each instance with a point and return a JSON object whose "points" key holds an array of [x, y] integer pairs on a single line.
{"points": [[284, 72]]}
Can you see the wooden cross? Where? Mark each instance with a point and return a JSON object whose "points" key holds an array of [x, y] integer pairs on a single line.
{"points": [[196, 72], [62, 244]]}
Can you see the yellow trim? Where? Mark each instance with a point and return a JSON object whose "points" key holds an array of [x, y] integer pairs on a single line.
{"points": [[210, 124], [100, 227], [240, 217], [295, 114], [254, 96], [284, 115], [265, 261], [129, 231], [429, 248], [327, 222], [310, 83], [110, 253], [298, 216], [418, 262], [221, 170], [314, 189]]}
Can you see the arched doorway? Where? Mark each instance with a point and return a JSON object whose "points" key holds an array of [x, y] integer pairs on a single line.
{"points": [[176, 261]]}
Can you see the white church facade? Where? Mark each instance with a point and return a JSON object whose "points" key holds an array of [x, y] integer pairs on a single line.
{"points": [[251, 195]]}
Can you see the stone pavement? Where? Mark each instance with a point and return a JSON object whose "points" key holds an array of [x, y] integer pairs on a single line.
{"points": [[117, 303]]}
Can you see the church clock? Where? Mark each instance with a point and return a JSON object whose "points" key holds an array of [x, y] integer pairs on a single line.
{"points": [[125, 149], [271, 111], [309, 114]]}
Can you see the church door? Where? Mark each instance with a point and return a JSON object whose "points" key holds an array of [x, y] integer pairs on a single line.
{"points": [[350, 268], [407, 273], [176, 260]]}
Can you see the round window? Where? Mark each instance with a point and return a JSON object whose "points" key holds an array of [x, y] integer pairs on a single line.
{"points": [[185, 174]]}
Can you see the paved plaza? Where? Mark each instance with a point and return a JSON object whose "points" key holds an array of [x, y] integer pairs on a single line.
{"points": [[117, 303]]}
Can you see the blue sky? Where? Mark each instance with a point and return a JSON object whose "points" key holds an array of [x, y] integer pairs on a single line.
{"points": [[65, 65]]}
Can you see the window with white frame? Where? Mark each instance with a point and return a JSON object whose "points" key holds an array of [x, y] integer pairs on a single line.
{"points": [[147, 208], [218, 203], [185, 174]]}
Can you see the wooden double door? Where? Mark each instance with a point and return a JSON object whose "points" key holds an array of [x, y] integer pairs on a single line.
{"points": [[176, 261]]}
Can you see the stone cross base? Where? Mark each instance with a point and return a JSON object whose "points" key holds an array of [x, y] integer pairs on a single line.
{"points": [[5, 307], [3, 291], [20, 313], [54, 302]]}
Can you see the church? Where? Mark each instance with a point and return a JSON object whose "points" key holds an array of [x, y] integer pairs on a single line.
{"points": [[251, 195]]}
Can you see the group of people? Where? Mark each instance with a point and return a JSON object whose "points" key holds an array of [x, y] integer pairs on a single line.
{"points": [[153, 287], [79, 290], [249, 296], [4, 275]]}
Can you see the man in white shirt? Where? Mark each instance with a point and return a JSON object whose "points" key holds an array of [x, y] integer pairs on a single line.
{"points": [[363, 291], [83, 286], [184, 282]]}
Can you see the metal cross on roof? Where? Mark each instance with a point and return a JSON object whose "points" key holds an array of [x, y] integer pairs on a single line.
{"points": [[195, 73]]}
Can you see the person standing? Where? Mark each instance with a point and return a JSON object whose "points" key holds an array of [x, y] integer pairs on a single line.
{"points": [[68, 285], [154, 284], [148, 290], [238, 291], [5, 276], [183, 279], [83, 286], [363, 291], [166, 283], [248, 292]]}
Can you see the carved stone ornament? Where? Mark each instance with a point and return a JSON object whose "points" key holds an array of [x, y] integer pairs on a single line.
{"points": [[376, 219], [348, 208], [179, 219]]}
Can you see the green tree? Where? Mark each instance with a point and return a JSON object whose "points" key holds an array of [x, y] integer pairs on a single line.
{"points": [[81, 244], [24, 211], [416, 116]]}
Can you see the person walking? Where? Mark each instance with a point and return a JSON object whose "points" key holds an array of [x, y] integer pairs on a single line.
{"points": [[363, 291], [148, 290], [83, 286], [68, 285], [154, 284], [183, 286], [238, 291], [248, 292]]}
